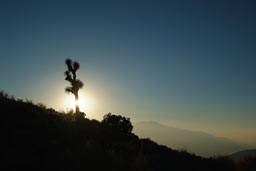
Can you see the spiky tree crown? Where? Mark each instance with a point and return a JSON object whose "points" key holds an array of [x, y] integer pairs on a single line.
{"points": [[70, 74]]}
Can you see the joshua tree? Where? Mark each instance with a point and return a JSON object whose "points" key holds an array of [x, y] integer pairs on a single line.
{"points": [[76, 84]]}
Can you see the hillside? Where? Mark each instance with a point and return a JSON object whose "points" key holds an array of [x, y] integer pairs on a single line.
{"points": [[243, 154], [42, 139], [200, 143]]}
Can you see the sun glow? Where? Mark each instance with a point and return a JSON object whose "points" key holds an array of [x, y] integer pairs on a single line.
{"points": [[84, 102]]}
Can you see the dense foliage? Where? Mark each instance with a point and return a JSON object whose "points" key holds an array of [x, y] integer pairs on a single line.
{"points": [[42, 139], [117, 122]]}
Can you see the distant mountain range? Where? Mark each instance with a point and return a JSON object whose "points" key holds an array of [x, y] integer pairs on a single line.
{"points": [[200, 143], [242, 154]]}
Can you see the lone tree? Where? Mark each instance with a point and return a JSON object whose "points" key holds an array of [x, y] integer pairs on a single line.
{"points": [[118, 122], [76, 84]]}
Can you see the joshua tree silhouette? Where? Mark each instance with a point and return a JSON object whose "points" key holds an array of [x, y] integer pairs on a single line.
{"points": [[76, 84]]}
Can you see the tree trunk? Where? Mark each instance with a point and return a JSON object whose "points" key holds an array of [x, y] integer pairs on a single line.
{"points": [[77, 105]]}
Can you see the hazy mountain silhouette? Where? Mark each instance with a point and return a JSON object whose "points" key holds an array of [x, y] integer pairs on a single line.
{"points": [[38, 138], [243, 154], [199, 143], [245, 160]]}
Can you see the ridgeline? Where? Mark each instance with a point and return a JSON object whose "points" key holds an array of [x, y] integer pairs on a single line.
{"points": [[42, 139]]}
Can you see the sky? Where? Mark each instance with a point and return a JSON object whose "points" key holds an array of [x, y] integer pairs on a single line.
{"points": [[184, 63]]}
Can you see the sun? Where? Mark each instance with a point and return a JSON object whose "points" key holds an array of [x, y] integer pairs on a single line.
{"points": [[84, 102], [81, 102]]}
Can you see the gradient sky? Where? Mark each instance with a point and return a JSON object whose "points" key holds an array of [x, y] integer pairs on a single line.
{"points": [[189, 64]]}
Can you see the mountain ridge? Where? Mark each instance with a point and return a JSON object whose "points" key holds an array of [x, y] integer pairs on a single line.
{"points": [[180, 138], [36, 137], [240, 155]]}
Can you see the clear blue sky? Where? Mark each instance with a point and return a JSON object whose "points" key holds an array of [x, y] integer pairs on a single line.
{"points": [[190, 64]]}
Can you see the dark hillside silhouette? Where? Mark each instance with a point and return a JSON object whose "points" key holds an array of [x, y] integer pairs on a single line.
{"points": [[76, 84], [42, 139]]}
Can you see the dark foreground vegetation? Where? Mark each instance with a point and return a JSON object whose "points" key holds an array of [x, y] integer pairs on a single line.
{"points": [[38, 138]]}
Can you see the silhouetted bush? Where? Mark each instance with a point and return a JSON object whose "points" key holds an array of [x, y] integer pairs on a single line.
{"points": [[118, 122]]}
